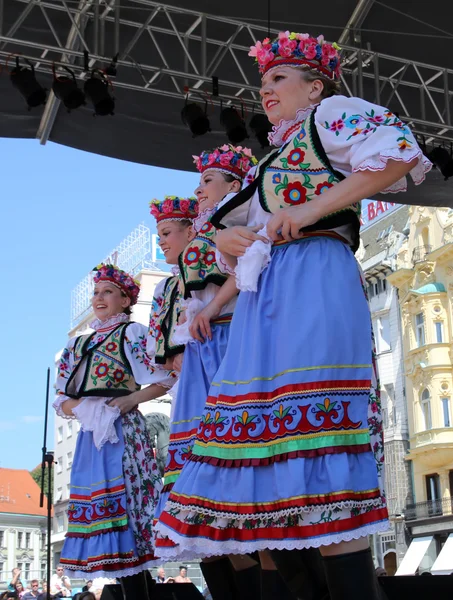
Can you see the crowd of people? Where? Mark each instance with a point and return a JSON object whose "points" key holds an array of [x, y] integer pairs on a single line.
{"points": [[263, 334]]}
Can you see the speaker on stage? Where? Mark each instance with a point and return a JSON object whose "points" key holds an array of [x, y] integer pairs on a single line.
{"points": [[410, 587], [165, 591]]}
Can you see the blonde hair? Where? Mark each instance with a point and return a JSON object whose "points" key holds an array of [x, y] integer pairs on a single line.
{"points": [[331, 87]]}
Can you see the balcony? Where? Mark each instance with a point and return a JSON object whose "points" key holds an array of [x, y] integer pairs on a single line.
{"points": [[431, 508], [419, 253]]}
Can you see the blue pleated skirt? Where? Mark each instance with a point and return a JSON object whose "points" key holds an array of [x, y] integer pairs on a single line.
{"points": [[282, 457], [113, 495], [201, 362]]}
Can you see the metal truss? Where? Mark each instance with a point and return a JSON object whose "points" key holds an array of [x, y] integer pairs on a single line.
{"points": [[132, 255], [207, 46]]}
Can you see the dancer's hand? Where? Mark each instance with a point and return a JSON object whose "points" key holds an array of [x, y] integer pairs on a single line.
{"points": [[125, 403], [200, 329], [235, 240], [177, 361], [286, 223]]}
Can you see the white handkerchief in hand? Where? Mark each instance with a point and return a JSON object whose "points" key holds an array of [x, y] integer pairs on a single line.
{"points": [[252, 264]]}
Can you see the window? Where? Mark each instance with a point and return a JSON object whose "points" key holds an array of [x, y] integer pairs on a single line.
{"points": [[27, 541], [59, 494], [420, 329], [2, 575], [370, 290], [60, 524], [20, 565], [68, 489], [2, 539], [384, 284], [382, 332], [426, 410], [433, 494], [69, 460], [69, 432], [446, 411], [60, 434], [385, 419], [43, 541], [439, 332], [20, 536], [43, 571], [27, 570], [60, 464]]}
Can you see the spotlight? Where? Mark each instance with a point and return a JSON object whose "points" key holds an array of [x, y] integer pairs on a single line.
{"points": [[443, 161], [233, 124], [195, 118], [97, 90], [24, 80], [65, 89], [261, 126]]}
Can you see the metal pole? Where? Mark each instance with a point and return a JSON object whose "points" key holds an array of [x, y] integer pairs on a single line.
{"points": [[203, 45], [377, 89], [96, 27], [447, 99], [117, 26], [360, 72]]}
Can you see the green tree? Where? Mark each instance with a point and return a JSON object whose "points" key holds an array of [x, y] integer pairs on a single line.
{"points": [[36, 474]]}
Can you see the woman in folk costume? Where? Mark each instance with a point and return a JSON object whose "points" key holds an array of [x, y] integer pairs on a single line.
{"points": [[114, 478], [283, 458], [174, 220], [208, 300]]}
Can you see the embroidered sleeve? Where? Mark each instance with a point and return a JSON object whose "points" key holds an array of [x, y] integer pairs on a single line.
{"points": [[156, 305], [64, 370], [360, 136], [143, 366]]}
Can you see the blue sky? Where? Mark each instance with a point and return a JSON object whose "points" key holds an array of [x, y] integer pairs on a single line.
{"points": [[63, 211]]}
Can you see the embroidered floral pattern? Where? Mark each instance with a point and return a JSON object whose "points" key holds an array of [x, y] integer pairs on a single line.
{"points": [[363, 125], [198, 264], [142, 479]]}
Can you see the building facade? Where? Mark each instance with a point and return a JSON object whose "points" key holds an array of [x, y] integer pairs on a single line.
{"points": [[23, 527], [381, 241], [424, 279]]}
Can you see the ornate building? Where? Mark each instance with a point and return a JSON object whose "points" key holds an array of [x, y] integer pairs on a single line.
{"points": [[382, 238], [23, 527], [424, 279]]}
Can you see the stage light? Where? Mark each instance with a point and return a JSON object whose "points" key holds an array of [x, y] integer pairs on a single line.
{"points": [[65, 89], [195, 118], [24, 80], [97, 90], [261, 126], [234, 125], [443, 161]]}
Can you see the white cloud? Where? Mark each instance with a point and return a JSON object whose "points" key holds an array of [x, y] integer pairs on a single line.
{"points": [[32, 419], [7, 425]]}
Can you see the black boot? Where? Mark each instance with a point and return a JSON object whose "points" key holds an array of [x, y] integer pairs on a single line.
{"points": [[248, 583], [219, 576], [303, 572], [352, 576], [135, 587], [273, 587]]}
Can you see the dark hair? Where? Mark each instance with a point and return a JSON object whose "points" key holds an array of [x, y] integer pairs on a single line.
{"points": [[127, 310], [331, 87], [87, 596]]}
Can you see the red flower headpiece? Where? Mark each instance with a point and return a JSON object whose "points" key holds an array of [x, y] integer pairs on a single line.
{"points": [[235, 160], [126, 283], [298, 49], [172, 208]]}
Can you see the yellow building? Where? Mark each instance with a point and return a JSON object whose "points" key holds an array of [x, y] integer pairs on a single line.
{"points": [[424, 278]]}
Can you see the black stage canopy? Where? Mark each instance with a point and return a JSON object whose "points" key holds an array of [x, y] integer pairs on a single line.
{"points": [[396, 53]]}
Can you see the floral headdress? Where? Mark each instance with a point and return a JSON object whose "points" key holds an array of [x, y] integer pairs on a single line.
{"points": [[172, 208], [297, 49], [122, 280], [234, 160]]}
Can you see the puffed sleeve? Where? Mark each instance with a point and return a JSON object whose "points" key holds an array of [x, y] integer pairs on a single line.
{"points": [[143, 366], [158, 300], [64, 370], [360, 136]]}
